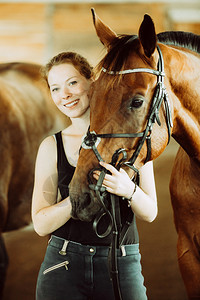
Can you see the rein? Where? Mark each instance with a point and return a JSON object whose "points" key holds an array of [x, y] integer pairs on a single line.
{"points": [[91, 141]]}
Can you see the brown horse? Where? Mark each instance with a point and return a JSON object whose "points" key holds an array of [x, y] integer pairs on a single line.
{"points": [[27, 116], [135, 72]]}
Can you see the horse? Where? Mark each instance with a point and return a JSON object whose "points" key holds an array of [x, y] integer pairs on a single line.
{"points": [[147, 89], [28, 115]]}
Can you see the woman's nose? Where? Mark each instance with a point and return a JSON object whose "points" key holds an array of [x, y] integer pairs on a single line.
{"points": [[66, 93]]}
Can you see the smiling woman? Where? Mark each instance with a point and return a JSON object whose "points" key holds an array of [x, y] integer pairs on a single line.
{"points": [[69, 83], [69, 89]]}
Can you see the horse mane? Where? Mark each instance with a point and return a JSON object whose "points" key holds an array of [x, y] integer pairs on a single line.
{"points": [[183, 39]]}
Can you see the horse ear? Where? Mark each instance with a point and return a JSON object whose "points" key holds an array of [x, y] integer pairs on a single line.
{"points": [[147, 36], [104, 32]]}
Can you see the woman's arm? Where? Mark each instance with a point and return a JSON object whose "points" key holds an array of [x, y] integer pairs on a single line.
{"points": [[144, 200], [47, 214]]}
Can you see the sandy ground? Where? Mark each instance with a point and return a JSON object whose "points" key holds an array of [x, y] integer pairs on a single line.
{"points": [[157, 243]]}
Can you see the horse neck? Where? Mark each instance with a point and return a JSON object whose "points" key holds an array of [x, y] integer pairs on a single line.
{"points": [[185, 93]]}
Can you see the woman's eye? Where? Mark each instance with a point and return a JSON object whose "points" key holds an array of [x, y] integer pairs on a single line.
{"points": [[137, 101], [73, 83], [54, 90]]}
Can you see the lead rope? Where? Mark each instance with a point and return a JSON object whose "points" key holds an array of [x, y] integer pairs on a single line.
{"points": [[112, 256], [115, 209]]}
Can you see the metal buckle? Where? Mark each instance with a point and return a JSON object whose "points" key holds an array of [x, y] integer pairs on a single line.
{"points": [[90, 139]]}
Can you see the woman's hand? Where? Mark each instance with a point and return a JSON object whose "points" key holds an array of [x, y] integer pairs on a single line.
{"points": [[118, 182], [143, 200]]}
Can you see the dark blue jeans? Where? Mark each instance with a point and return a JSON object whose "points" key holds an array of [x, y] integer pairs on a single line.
{"points": [[71, 271]]}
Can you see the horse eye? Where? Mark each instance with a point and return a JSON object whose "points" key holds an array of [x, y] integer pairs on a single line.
{"points": [[136, 101]]}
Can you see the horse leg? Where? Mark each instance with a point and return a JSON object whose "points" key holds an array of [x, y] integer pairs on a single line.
{"points": [[189, 264], [3, 265], [4, 181], [185, 192]]}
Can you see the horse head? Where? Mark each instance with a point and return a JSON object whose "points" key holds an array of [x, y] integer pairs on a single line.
{"points": [[127, 109]]}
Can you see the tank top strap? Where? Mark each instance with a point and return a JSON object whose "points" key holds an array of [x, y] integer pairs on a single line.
{"points": [[65, 170], [61, 156]]}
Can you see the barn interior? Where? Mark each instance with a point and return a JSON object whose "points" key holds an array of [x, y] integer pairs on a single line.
{"points": [[34, 31]]}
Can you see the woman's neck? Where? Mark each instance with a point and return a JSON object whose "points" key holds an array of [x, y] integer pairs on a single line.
{"points": [[81, 124]]}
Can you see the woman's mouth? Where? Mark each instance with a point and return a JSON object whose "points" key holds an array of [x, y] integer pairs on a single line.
{"points": [[71, 104]]}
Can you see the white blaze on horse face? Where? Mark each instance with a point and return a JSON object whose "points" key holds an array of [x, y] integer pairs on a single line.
{"points": [[69, 90]]}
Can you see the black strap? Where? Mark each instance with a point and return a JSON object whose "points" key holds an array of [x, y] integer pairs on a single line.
{"points": [[120, 135], [112, 256]]}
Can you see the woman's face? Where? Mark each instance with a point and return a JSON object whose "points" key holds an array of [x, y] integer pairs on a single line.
{"points": [[69, 90]]}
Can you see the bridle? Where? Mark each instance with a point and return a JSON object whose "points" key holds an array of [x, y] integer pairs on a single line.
{"points": [[91, 141]]}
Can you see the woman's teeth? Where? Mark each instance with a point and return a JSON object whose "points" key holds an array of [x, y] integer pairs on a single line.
{"points": [[71, 104]]}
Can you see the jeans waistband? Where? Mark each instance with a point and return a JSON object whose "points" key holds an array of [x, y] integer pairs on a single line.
{"points": [[65, 245]]}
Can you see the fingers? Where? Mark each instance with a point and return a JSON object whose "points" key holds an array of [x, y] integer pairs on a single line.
{"points": [[109, 167], [107, 179], [114, 172], [110, 182], [117, 182], [109, 185]]}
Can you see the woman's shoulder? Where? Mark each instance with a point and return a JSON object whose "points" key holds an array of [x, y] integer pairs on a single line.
{"points": [[51, 140], [47, 147], [46, 157], [48, 141]]}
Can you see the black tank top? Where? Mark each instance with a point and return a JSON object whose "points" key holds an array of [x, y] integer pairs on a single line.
{"points": [[79, 231]]}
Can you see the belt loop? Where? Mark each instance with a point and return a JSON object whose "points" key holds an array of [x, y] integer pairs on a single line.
{"points": [[49, 240], [64, 248], [123, 250]]}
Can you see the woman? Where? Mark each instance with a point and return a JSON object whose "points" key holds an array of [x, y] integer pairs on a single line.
{"points": [[64, 273]]}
